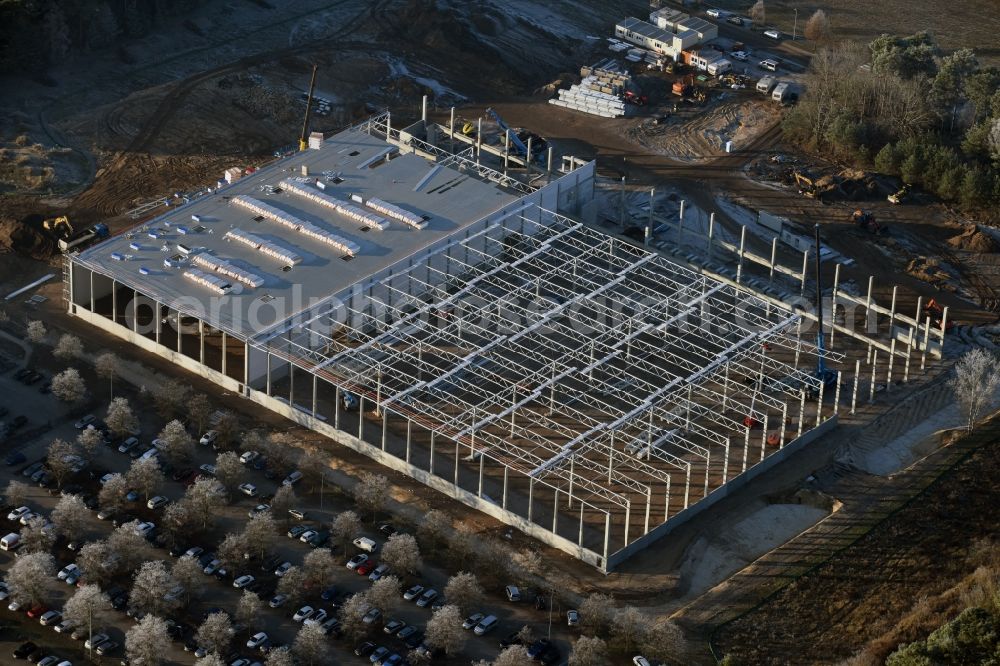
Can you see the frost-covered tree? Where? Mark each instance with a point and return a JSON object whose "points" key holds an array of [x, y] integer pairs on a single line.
{"points": [[818, 26], [148, 642], [628, 625], [204, 498], [199, 410], [402, 553], [589, 651], [88, 607], [60, 458], [345, 527], [36, 331], [596, 612], [444, 630], [144, 476], [320, 568], [178, 445], [96, 562], [351, 615], [758, 13], [385, 593], [69, 386], [29, 579], [434, 529], [70, 516], [68, 348], [463, 590], [151, 585], [232, 550], [663, 640], [280, 657], [16, 493], [188, 574], [106, 365], [310, 644], [293, 585], [229, 471], [976, 378], [170, 397], [283, 500], [121, 419], [89, 443], [215, 633], [36, 537], [128, 546], [111, 496], [250, 610], [371, 493]]}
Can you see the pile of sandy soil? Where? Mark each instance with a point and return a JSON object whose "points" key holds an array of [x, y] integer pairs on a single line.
{"points": [[973, 240], [933, 271], [25, 238]]}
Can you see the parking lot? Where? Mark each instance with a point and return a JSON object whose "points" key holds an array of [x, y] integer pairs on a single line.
{"points": [[54, 420]]}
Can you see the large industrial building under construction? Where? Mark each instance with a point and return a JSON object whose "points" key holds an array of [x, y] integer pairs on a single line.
{"points": [[470, 331]]}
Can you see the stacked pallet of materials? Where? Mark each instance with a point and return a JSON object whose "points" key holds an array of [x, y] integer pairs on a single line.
{"points": [[589, 97]]}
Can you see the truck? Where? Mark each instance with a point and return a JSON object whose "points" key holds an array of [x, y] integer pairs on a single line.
{"points": [[719, 67], [85, 237], [781, 92], [766, 84], [10, 542]]}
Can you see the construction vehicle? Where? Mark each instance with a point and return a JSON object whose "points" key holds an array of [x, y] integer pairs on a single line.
{"points": [[59, 226], [519, 139], [636, 98], [865, 219], [683, 87], [303, 138], [900, 196], [807, 185], [469, 129], [78, 241], [936, 314]]}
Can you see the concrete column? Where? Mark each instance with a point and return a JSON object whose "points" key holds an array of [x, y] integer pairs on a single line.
{"points": [[503, 499], [201, 342], [548, 161], [833, 304], [628, 518], [482, 463], [927, 338], [746, 447], [774, 257], [431, 464], [607, 535], [92, 309], [479, 139], [388, 125], [336, 407], [451, 129], [267, 387], [579, 538], [572, 474], [531, 497], [802, 411], [246, 354], [361, 417], [892, 357], [423, 112], [555, 512], [666, 501], [871, 392], [409, 436], [649, 501], [455, 480], [527, 158], [157, 315], [506, 151], [763, 444], [836, 395], [711, 235], [805, 269], [784, 425], [180, 332], [819, 403], [114, 306], [725, 463], [739, 265], [854, 393], [315, 396], [291, 384]]}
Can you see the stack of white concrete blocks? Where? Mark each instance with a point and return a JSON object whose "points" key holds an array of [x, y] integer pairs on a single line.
{"points": [[582, 97]]}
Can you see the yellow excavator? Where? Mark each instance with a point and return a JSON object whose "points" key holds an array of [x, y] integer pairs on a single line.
{"points": [[469, 129], [59, 226], [304, 138]]}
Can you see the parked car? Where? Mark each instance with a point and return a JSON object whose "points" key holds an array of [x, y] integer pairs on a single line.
{"points": [[96, 640], [24, 650], [406, 632], [378, 654], [427, 598], [209, 437], [357, 561], [318, 616], [331, 626], [157, 502], [411, 593], [67, 571], [144, 529], [572, 618], [106, 648], [248, 457], [15, 458], [16, 514], [207, 469], [282, 569], [392, 626], [373, 615], [257, 640], [297, 514], [278, 600], [296, 531], [736, 20], [639, 660], [513, 593], [292, 478], [364, 649], [248, 489], [486, 625], [212, 567], [773, 34], [365, 544], [128, 445], [243, 581], [365, 568], [473, 620], [52, 617], [260, 508], [302, 613], [378, 572], [739, 55], [85, 421]]}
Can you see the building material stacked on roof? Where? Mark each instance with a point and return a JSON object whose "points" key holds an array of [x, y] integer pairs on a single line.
{"points": [[397, 213], [207, 261], [263, 246], [346, 246], [213, 282], [342, 207]]}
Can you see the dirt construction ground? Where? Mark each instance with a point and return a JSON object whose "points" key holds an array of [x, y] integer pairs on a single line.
{"points": [[109, 136]]}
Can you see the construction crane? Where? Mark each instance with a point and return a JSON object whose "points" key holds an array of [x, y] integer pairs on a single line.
{"points": [[827, 377], [515, 139], [304, 138]]}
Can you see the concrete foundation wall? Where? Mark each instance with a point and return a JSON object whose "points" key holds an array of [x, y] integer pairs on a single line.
{"points": [[719, 494]]}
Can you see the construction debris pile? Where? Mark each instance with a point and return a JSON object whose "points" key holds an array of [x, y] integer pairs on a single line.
{"points": [[604, 91], [824, 182]]}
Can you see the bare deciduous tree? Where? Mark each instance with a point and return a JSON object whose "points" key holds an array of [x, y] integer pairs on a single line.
{"points": [[170, 397], [229, 471], [758, 13], [89, 442], [68, 348], [283, 500], [250, 609], [279, 657], [280, 448], [293, 585], [199, 410], [36, 331], [94, 559], [260, 533], [384, 594], [130, 547], [88, 607], [70, 516], [402, 554], [444, 630], [351, 615], [514, 655], [178, 445], [36, 538], [344, 527], [215, 633], [818, 26], [628, 625], [227, 426], [144, 476], [232, 549], [310, 644], [151, 587], [106, 365], [461, 544], [148, 642], [203, 500], [320, 568], [976, 379], [121, 419], [29, 579], [596, 612], [16, 493], [371, 493], [176, 520], [69, 386], [60, 459], [589, 651], [111, 496], [434, 529], [463, 590], [188, 574], [663, 640]]}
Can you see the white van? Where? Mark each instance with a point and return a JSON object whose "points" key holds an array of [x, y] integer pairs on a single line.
{"points": [[781, 92], [770, 65], [719, 67], [714, 13], [10, 542], [766, 85], [772, 33], [366, 544]]}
